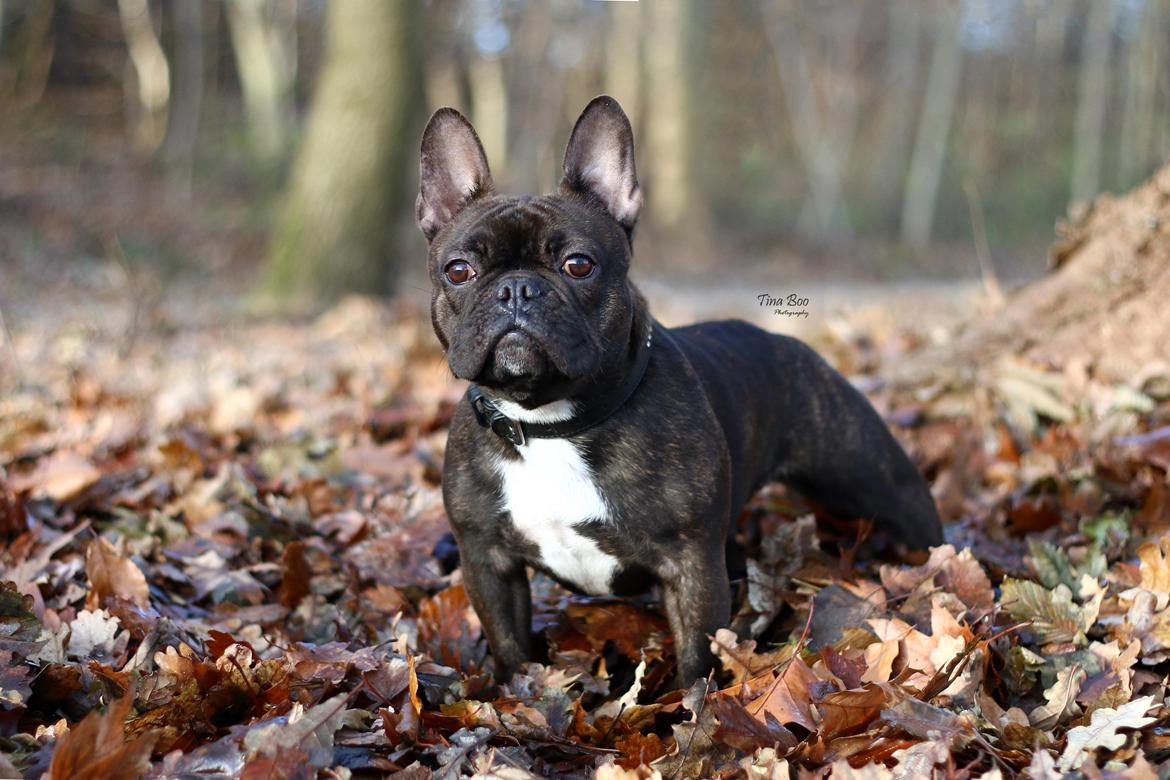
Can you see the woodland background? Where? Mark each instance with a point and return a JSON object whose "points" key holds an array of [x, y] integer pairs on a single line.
{"points": [[223, 413], [263, 140]]}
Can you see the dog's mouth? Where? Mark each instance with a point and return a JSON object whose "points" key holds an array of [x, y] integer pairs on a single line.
{"points": [[518, 355], [515, 353]]}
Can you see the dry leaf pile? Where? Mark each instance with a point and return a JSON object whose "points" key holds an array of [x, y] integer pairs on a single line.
{"points": [[224, 556]]}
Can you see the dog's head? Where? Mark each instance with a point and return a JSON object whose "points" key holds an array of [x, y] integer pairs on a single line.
{"points": [[529, 294]]}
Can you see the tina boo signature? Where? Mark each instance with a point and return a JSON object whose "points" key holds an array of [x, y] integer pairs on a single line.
{"points": [[791, 305]]}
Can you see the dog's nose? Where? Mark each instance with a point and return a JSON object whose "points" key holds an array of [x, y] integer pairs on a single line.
{"points": [[515, 290]]}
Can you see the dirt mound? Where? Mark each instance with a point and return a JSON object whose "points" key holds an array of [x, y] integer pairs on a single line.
{"points": [[1104, 306]]}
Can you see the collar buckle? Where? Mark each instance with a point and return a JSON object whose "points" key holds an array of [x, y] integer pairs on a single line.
{"points": [[507, 428], [488, 415]]}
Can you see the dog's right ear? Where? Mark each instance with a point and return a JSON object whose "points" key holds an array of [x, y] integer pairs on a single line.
{"points": [[453, 170]]}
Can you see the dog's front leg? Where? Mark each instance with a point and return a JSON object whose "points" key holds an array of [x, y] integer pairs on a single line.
{"points": [[502, 599], [698, 603]]}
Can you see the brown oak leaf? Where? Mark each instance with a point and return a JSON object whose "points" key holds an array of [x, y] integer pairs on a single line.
{"points": [[97, 747]]}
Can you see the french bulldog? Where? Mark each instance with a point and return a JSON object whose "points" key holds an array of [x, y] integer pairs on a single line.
{"points": [[596, 445]]}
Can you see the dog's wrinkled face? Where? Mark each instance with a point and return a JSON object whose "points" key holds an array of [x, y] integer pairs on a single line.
{"points": [[527, 292]]}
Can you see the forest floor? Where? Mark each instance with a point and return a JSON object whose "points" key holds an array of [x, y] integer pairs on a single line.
{"points": [[222, 536], [223, 555]]}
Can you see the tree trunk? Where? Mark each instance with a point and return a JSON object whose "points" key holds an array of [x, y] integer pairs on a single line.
{"points": [[263, 38], [822, 105], [1046, 63], [665, 146], [535, 104], [149, 84], [1141, 97], [187, 94], [1092, 101], [489, 107], [623, 61], [897, 121], [934, 128], [445, 73], [338, 228], [28, 55]]}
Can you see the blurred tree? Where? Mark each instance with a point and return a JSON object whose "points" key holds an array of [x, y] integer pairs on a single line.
{"points": [[895, 122], [820, 83], [186, 93], [27, 51], [148, 88], [1139, 121], [623, 57], [338, 228], [665, 148], [538, 103], [445, 70], [1092, 101], [934, 128], [489, 106], [1048, 68], [264, 41]]}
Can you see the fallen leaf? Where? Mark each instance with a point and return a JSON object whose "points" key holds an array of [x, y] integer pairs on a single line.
{"points": [[636, 749], [787, 697], [1102, 731], [954, 571], [97, 747], [743, 731], [842, 770], [696, 751], [1060, 699], [1053, 615], [18, 623], [1043, 767], [766, 764], [94, 634], [60, 477], [14, 681], [13, 519], [925, 721], [287, 764], [295, 574], [918, 761], [112, 573], [1155, 565], [836, 609], [449, 630], [307, 730], [636, 633], [848, 712], [454, 755]]}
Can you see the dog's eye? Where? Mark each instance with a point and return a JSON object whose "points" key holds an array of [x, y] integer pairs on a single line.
{"points": [[459, 272], [578, 266]]}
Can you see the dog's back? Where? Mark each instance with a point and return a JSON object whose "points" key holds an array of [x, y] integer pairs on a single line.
{"points": [[774, 398]]}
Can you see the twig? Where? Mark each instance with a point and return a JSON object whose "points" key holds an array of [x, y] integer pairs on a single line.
{"points": [[698, 726], [982, 249], [612, 723], [1008, 630]]}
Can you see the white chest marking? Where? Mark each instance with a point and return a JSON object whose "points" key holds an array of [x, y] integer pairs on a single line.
{"points": [[549, 491]]}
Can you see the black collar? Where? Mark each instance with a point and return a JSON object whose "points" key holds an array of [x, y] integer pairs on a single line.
{"points": [[489, 415]]}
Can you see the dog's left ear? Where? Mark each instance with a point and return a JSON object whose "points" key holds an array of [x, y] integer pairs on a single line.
{"points": [[599, 161]]}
